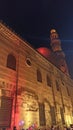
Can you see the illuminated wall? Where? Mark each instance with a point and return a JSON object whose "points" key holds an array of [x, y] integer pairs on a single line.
{"points": [[37, 102]]}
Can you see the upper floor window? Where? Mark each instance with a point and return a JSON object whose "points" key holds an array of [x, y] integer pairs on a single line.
{"points": [[39, 76], [68, 91], [48, 81], [11, 62], [57, 85]]}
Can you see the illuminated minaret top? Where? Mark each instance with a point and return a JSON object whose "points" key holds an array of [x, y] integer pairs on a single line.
{"points": [[59, 56], [55, 41]]}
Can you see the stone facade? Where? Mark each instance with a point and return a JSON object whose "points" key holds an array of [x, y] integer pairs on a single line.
{"points": [[42, 94]]}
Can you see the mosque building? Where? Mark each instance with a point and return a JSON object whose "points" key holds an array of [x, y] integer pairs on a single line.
{"points": [[36, 90]]}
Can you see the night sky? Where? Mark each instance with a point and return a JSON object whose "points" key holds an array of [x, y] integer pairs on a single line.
{"points": [[33, 20]]}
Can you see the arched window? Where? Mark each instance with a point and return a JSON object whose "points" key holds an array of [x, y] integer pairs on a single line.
{"points": [[57, 85], [11, 62], [39, 76], [48, 81], [68, 91]]}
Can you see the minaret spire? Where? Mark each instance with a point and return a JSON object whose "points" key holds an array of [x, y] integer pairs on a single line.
{"points": [[59, 60], [55, 41]]}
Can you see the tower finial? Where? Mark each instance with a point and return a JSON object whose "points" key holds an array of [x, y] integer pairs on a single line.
{"points": [[52, 31]]}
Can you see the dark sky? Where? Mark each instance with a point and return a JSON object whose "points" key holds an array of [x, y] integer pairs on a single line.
{"points": [[33, 20]]}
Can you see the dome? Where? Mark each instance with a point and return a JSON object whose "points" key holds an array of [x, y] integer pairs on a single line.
{"points": [[44, 51]]}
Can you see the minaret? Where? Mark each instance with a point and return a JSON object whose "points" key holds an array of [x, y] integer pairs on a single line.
{"points": [[58, 54]]}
